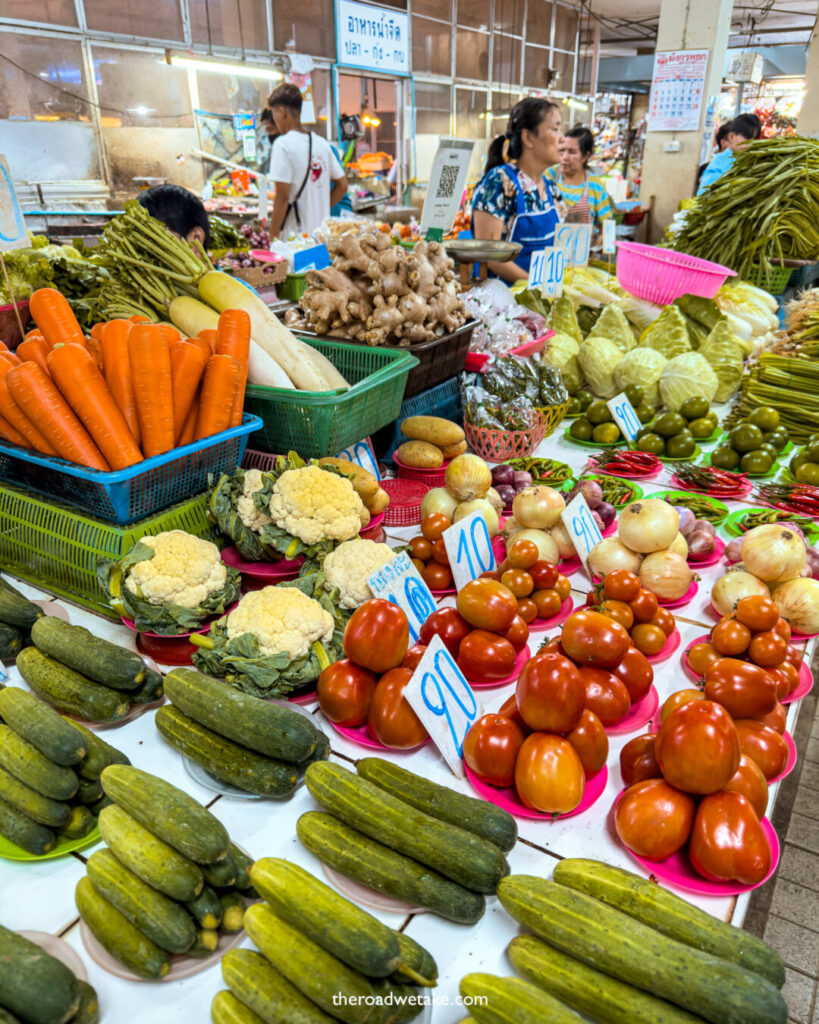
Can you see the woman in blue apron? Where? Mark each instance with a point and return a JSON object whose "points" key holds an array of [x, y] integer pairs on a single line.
{"points": [[514, 201]]}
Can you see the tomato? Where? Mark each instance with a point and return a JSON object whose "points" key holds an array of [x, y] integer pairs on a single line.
{"points": [[377, 636], [548, 774], [518, 581], [653, 819], [504, 566], [517, 634], [763, 745], [522, 553], [552, 646], [563, 587], [550, 693], [648, 639], [490, 574], [749, 780], [783, 629], [547, 603], [449, 626], [644, 606], [727, 842], [730, 637], [743, 689], [485, 657], [544, 574], [436, 576], [776, 719], [420, 548], [665, 620], [487, 605], [768, 649], [697, 747], [344, 691], [413, 656], [637, 760], [432, 526], [491, 748], [789, 673], [592, 639], [621, 585], [391, 720], [795, 655], [439, 552], [509, 709], [590, 742], [617, 610], [756, 612], [419, 565], [527, 610], [700, 657], [636, 672], [606, 695]]}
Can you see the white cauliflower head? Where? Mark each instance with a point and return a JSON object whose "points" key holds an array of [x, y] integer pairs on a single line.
{"points": [[349, 565], [184, 570], [315, 505], [253, 518], [283, 620]]}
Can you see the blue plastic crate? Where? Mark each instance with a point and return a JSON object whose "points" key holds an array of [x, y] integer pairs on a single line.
{"points": [[443, 400]]}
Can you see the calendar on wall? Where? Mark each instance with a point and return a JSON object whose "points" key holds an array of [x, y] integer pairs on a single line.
{"points": [[677, 90]]}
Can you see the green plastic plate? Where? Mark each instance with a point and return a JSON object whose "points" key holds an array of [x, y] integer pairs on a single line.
{"points": [[757, 476], [732, 523], [672, 496], [11, 851], [590, 444], [687, 458]]}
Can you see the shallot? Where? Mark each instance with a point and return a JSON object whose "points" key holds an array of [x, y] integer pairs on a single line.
{"points": [[733, 551], [700, 545], [607, 512], [687, 519], [704, 526], [503, 474]]}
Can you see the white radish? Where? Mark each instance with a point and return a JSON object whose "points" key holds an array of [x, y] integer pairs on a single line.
{"points": [[323, 365], [264, 370], [192, 316]]}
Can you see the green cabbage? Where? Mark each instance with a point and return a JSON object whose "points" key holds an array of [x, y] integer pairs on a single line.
{"points": [[598, 358], [641, 366], [612, 324], [561, 351], [724, 353], [687, 376], [562, 318], [668, 334]]}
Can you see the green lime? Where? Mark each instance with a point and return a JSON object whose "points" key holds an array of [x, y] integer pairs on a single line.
{"points": [[694, 408], [635, 394], [724, 457], [645, 429], [581, 430], [755, 462], [713, 419], [746, 437], [778, 438], [680, 447], [606, 433], [598, 412], [812, 439], [645, 412], [797, 460], [651, 443], [764, 417], [669, 424], [701, 427], [769, 450], [811, 452], [585, 397], [575, 408], [808, 473]]}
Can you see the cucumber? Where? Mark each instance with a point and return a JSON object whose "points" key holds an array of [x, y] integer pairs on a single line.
{"points": [[321, 753], [512, 1001], [40, 724], [243, 865], [588, 991], [261, 988], [25, 833], [91, 656], [371, 863], [459, 855], [169, 813], [99, 754], [618, 945], [33, 984], [222, 758], [419, 960], [233, 911], [68, 690], [17, 610], [226, 1009], [100, 805], [89, 1011], [477, 816], [34, 805], [149, 858], [6, 1017], [161, 919], [206, 909], [667, 913], [118, 936], [152, 689], [80, 823], [11, 640], [27, 764], [206, 942], [274, 730], [90, 791], [221, 874]]}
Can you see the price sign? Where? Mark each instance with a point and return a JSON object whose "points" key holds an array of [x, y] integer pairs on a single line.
{"points": [[609, 235], [624, 415], [315, 258], [400, 582], [4, 676], [444, 701], [13, 234], [536, 269], [554, 265], [582, 528], [469, 547], [361, 454], [574, 241]]}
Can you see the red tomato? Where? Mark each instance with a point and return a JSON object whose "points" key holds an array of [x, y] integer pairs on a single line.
{"points": [[617, 610], [413, 656], [653, 819], [727, 842], [432, 526], [606, 695], [768, 649], [645, 606], [544, 574], [420, 548], [449, 626], [344, 691], [391, 720], [665, 620], [439, 552], [419, 565], [677, 700], [756, 612], [550, 693], [437, 576], [763, 745], [697, 747], [749, 780], [795, 655], [591, 639], [787, 671], [547, 603], [527, 610], [730, 637], [490, 574], [637, 760], [377, 636], [781, 680], [776, 719], [782, 627], [487, 605], [635, 670], [522, 553], [648, 639], [517, 634], [518, 581], [700, 657], [621, 585], [548, 774], [563, 587], [590, 742], [509, 709], [485, 657], [743, 689], [491, 748]]}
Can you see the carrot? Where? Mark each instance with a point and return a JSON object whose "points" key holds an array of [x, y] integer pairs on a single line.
{"points": [[219, 387], [187, 366], [169, 332], [35, 331], [51, 312], [202, 345], [10, 433], [234, 340], [96, 331], [95, 348], [137, 318], [189, 428], [150, 359], [11, 358], [12, 412], [4, 347], [209, 335], [34, 349], [77, 376], [116, 368]]}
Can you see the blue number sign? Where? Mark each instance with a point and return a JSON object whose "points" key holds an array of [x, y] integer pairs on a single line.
{"points": [[582, 528], [554, 266], [469, 547], [574, 241], [400, 582], [362, 455], [624, 415], [13, 234]]}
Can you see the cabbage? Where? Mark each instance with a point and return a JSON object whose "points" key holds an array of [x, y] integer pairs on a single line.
{"points": [[724, 353], [641, 366], [638, 312], [749, 303], [561, 351], [562, 318], [668, 334], [612, 324], [687, 376], [598, 358]]}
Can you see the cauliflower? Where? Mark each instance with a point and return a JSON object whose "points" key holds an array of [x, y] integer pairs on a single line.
{"points": [[349, 565], [313, 504], [253, 517], [183, 570], [283, 620]]}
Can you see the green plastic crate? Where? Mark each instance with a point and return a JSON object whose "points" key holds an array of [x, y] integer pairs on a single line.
{"points": [[57, 548], [319, 423], [774, 282], [292, 287]]}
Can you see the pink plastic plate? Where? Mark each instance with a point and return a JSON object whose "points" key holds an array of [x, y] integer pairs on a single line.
{"points": [[444, 593], [687, 596], [790, 764], [610, 529], [570, 566], [304, 698], [520, 661], [284, 570], [803, 636], [59, 949], [640, 713], [509, 800], [360, 736], [541, 625], [372, 527], [426, 472], [803, 687], [672, 642], [712, 559], [704, 639], [367, 897]]}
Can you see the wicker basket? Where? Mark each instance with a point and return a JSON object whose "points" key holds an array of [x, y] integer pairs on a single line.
{"points": [[263, 276], [553, 415], [499, 445]]}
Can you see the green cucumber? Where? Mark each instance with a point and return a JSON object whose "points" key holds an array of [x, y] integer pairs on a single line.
{"points": [[27, 764], [233, 911], [81, 822], [69, 691], [17, 610], [205, 944], [243, 865], [151, 690], [321, 753], [91, 656], [263, 990], [206, 909], [371, 863], [89, 1011], [100, 805], [161, 919], [419, 960], [222, 873], [477, 816], [99, 754], [118, 936], [11, 640], [33, 984], [226, 1009], [23, 832], [34, 805], [459, 855], [512, 1001], [40, 724], [6, 1017], [90, 791]]}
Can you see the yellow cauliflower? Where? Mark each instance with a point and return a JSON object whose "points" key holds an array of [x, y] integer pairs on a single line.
{"points": [[283, 620], [184, 570], [253, 518], [348, 567], [314, 505]]}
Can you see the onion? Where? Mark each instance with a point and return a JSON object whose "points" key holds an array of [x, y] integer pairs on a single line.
{"points": [[704, 526], [598, 519], [686, 517], [468, 477], [650, 524], [490, 516], [495, 500], [611, 553], [506, 492], [700, 545], [538, 508], [666, 574], [679, 546], [773, 553], [735, 584], [438, 499], [522, 479], [798, 602], [510, 529], [733, 551], [502, 474], [592, 492], [607, 512], [546, 545], [811, 562], [564, 542]]}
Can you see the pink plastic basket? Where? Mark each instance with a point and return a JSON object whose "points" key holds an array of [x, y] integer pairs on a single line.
{"points": [[661, 275], [406, 496]]}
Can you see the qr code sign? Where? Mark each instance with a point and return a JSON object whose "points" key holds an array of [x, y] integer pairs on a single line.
{"points": [[448, 181]]}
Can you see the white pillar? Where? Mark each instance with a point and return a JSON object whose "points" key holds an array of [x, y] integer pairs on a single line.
{"points": [[808, 121]]}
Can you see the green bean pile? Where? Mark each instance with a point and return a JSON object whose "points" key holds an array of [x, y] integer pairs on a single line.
{"points": [[544, 471], [765, 516], [791, 386], [700, 506], [616, 491]]}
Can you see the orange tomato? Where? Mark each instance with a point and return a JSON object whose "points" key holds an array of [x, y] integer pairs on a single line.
{"points": [[730, 637], [432, 526], [518, 581], [522, 553], [527, 610], [549, 775]]}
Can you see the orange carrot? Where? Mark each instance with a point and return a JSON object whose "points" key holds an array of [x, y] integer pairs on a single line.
{"points": [[187, 366], [4, 347], [189, 429], [11, 358], [202, 345], [169, 332], [12, 412], [234, 340], [34, 349], [137, 318], [10, 433], [209, 335], [95, 348], [35, 331], [77, 376], [150, 359], [219, 387], [96, 331], [51, 312], [116, 368]]}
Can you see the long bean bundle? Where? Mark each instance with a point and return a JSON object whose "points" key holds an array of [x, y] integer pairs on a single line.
{"points": [[789, 385]]}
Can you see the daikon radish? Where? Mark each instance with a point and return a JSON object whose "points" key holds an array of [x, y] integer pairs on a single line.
{"points": [[264, 370], [323, 365]]}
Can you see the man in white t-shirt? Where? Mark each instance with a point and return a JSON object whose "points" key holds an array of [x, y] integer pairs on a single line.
{"points": [[306, 172]]}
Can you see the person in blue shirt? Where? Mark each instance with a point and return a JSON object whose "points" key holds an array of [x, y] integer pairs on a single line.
{"points": [[739, 132]]}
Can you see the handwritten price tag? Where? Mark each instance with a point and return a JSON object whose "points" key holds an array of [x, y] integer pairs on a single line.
{"points": [[469, 547], [536, 269], [583, 530], [444, 701], [574, 241], [400, 582], [361, 454], [13, 234], [554, 266], [609, 235], [624, 415]]}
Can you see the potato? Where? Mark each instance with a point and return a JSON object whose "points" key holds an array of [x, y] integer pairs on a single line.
{"points": [[420, 455], [432, 429], [365, 484], [451, 451], [377, 504]]}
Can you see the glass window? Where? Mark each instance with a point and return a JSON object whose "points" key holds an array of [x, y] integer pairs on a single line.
{"points": [[321, 102], [140, 89], [441, 9], [564, 65], [566, 28], [432, 108], [509, 16], [471, 55], [231, 94], [431, 46], [50, 88], [470, 113], [241, 24], [131, 18], [537, 68], [304, 26], [539, 22], [474, 14], [52, 12], [506, 59]]}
